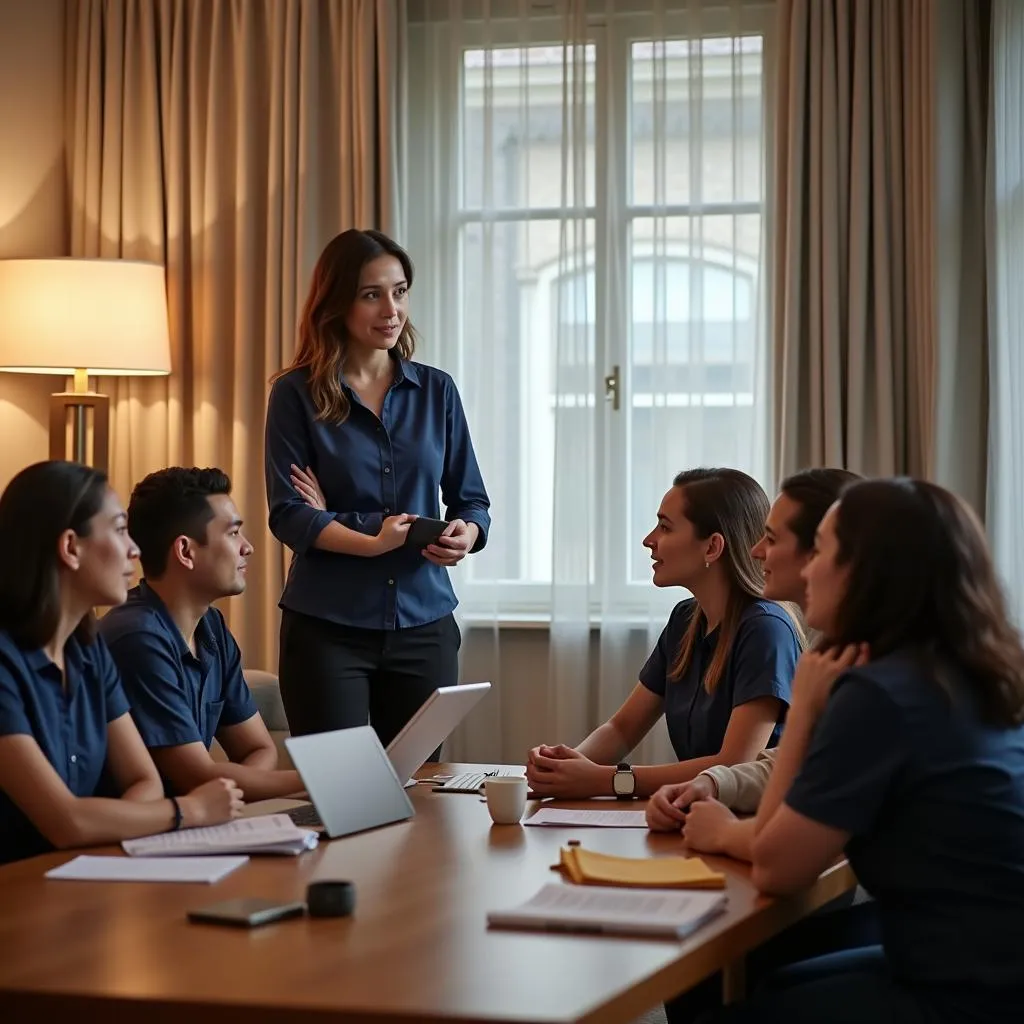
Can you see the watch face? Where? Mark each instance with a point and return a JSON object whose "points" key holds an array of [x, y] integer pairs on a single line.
{"points": [[623, 783]]}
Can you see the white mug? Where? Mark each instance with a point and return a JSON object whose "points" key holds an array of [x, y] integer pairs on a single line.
{"points": [[506, 798]]}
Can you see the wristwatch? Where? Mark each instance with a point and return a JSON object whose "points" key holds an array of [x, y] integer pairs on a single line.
{"points": [[624, 782]]}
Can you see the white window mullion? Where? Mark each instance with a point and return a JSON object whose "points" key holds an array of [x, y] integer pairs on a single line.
{"points": [[612, 276]]}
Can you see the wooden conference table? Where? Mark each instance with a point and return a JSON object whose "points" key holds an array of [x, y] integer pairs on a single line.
{"points": [[417, 949]]}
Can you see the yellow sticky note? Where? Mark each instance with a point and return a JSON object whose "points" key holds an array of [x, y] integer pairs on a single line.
{"points": [[585, 867]]}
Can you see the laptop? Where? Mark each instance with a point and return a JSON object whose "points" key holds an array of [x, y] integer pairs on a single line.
{"points": [[350, 782], [431, 726]]}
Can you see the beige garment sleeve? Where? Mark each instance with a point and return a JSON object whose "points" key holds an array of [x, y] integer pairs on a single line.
{"points": [[741, 787]]}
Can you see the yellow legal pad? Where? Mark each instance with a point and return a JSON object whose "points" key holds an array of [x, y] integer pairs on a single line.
{"points": [[584, 867]]}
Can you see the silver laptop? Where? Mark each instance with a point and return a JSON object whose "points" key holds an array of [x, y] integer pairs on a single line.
{"points": [[431, 726], [349, 779]]}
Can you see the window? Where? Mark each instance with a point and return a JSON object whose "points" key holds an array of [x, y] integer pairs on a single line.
{"points": [[592, 218]]}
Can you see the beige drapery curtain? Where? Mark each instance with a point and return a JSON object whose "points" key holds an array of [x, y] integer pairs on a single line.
{"points": [[854, 247], [230, 140]]}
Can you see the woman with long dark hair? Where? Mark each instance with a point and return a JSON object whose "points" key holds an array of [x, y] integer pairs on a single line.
{"points": [[66, 734], [904, 747], [367, 631]]}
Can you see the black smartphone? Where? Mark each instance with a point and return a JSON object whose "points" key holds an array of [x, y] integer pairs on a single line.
{"points": [[248, 912], [424, 531]]}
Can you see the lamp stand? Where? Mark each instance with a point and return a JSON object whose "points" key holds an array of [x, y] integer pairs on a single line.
{"points": [[71, 408]]}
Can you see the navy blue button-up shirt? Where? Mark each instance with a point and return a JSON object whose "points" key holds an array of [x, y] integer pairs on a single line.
{"points": [[68, 722], [762, 663], [370, 468], [177, 697]]}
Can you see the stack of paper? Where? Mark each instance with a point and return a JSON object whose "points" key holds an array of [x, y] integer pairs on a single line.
{"points": [[565, 908], [271, 833], [585, 867], [166, 869]]}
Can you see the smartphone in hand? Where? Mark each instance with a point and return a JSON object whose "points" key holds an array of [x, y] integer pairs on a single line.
{"points": [[424, 531]]}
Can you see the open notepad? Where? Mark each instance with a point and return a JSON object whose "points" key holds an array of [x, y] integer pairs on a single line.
{"points": [[601, 911], [271, 833]]}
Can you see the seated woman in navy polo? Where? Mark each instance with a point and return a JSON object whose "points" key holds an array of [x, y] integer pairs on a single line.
{"points": [[64, 721], [721, 671], [905, 748]]}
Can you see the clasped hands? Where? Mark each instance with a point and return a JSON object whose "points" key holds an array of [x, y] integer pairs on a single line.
{"points": [[691, 809], [561, 771]]}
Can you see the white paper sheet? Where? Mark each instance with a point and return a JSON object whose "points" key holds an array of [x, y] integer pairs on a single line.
{"points": [[162, 869], [587, 819]]}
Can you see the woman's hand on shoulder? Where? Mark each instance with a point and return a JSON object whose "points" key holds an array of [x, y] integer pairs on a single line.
{"points": [[817, 671]]}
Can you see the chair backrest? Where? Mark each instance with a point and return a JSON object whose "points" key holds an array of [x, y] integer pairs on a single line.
{"points": [[266, 692]]}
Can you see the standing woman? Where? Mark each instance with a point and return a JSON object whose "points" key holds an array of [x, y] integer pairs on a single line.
{"points": [[66, 734], [367, 631]]}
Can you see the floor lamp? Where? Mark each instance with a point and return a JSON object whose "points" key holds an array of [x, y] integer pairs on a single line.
{"points": [[83, 318]]}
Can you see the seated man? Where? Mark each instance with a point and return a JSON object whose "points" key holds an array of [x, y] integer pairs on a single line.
{"points": [[180, 666]]}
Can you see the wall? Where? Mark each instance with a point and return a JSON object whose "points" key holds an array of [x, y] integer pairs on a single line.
{"points": [[33, 207]]}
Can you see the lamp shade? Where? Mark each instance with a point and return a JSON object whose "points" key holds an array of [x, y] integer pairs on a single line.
{"points": [[108, 317]]}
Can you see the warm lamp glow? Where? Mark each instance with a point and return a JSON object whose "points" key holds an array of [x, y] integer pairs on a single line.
{"points": [[106, 317], [100, 318]]}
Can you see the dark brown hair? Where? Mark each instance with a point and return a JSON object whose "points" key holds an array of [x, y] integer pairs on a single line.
{"points": [[815, 491], [38, 505], [730, 503], [167, 504], [323, 341], [921, 577]]}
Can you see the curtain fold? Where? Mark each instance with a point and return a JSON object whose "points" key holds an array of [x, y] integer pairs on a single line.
{"points": [[229, 140], [854, 251]]}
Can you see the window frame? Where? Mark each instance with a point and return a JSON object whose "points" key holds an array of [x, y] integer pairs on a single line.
{"points": [[525, 602]]}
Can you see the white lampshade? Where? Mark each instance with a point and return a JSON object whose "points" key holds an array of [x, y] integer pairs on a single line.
{"points": [[108, 317]]}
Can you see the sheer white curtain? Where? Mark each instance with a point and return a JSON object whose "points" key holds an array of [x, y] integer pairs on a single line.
{"points": [[1006, 298], [588, 217]]}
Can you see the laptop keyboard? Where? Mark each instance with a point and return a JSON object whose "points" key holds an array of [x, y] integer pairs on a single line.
{"points": [[470, 782], [305, 816]]}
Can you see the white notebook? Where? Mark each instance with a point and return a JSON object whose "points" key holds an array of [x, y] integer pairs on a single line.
{"points": [[166, 869], [271, 833], [601, 910]]}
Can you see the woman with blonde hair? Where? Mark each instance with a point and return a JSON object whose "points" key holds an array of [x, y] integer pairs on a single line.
{"points": [[721, 671], [367, 631]]}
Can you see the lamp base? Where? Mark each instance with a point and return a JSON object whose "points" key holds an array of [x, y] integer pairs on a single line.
{"points": [[71, 415]]}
